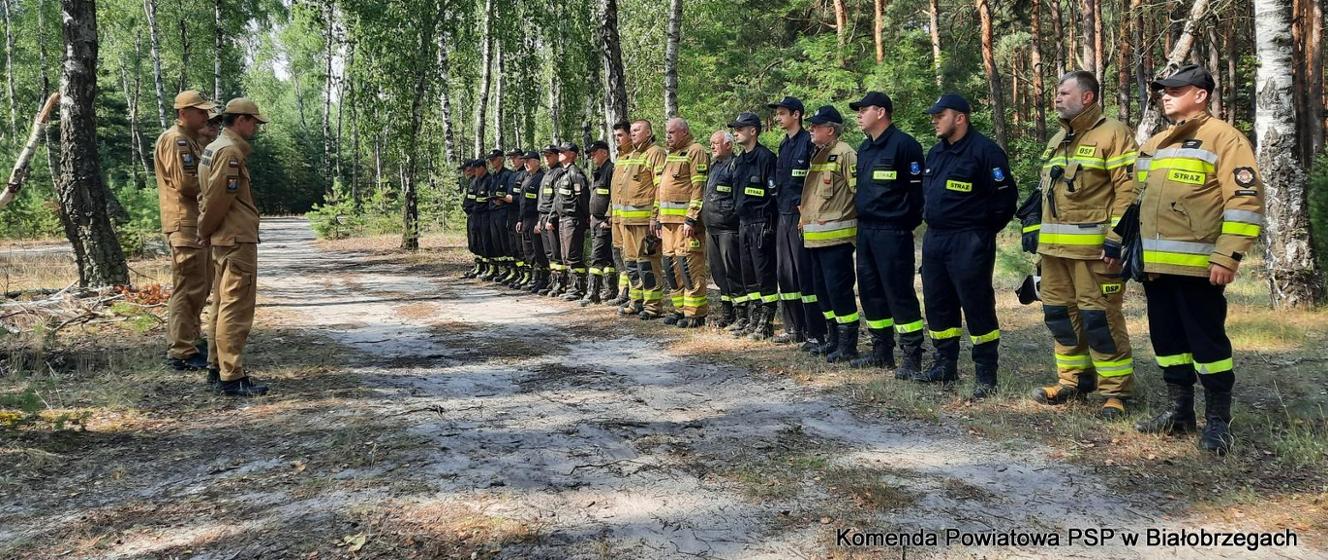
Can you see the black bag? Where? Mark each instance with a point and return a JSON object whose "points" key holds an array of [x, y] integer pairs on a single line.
{"points": [[1030, 214]]}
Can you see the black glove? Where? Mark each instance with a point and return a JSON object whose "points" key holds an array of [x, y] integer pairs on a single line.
{"points": [[1030, 239], [1030, 219]]}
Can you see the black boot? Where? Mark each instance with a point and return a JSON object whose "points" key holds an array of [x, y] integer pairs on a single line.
{"points": [[984, 383], [830, 344], [1178, 418], [608, 288], [541, 282], [630, 308], [1216, 435], [472, 272], [550, 282], [576, 286], [883, 351], [810, 344], [242, 387], [847, 349], [592, 290], [725, 317], [743, 315], [942, 370], [910, 346], [765, 322], [754, 313], [560, 284], [789, 337], [490, 271], [673, 318], [196, 362]]}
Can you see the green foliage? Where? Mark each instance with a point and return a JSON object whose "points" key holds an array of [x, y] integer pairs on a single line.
{"points": [[1318, 195]]}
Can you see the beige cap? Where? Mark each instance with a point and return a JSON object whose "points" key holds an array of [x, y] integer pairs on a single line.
{"points": [[191, 98], [243, 106]]}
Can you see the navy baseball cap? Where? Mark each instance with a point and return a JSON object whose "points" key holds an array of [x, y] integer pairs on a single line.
{"points": [[1192, 75], [950, 101], [789, 102], [569, 147], [597, 145], [874, 99], [746, 119], [550, 149], [495, 153], [516, 152], [532, 154], [826, 114]]}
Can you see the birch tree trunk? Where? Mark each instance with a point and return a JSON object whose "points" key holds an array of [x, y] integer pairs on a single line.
{"points": [[486, 74], [444, 98], [1292, 278], [499, 135], [934, 12], [219, 44], [82, 194], [9, 68], [22, 165], [184, 50], [610, 44], [150, 7], [1180, 51], [671, 59], [327, 82]]}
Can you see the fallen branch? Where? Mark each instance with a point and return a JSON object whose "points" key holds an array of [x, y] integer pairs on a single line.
{"points": [[20, 172]]}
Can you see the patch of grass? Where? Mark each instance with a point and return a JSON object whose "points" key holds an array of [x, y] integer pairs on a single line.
{"points": [[869, 488]]}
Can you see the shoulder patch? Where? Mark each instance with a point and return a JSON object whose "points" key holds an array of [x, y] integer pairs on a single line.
{"points": [[833, 157], [1191, 143], [232, 184], [181, 142], [998, 174], [1244, 176], [233, 163], [915, 168]]}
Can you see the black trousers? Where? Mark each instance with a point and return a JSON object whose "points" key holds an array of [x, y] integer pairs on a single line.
{"points": [[482, 230], [601, 248], [756, 248], [499, 234], [533, 244], [885, 281], [572, 241], [1187, 324], [514, 248], [472, 237], [834, 282], [794, 276], [725, 268], [956, 284], [549, 238]]}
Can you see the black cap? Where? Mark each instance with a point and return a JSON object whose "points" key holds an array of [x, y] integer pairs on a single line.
{"points": [[550, 149], [516, 152], [826, 114], [874, 99], [1192, 75], [532, 154], [569, 147], [746, 118], [495, 153], [597, 145], [789, 102], [950, 101]]}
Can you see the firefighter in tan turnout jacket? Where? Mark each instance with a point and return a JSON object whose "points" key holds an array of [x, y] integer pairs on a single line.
{"points": [[1201, 211], [1086, 185], [633, 210], [677, 222]]}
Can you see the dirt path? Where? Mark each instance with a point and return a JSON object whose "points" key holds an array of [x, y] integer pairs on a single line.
{"points": [[547, 436]]}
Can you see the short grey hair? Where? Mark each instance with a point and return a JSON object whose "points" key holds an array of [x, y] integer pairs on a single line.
{"points": [[837, 128], [681, 122]]}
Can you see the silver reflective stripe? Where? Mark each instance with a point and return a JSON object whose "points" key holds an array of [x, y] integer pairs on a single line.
{"points": [[1243, 216], [1188, 247], [1193, 153], [1141, 164], [630, 208], [1072, 229], [831, 226], [673, 205]]}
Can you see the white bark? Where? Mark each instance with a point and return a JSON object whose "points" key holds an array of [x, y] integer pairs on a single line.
{"points": [[486, 70], [1180, 52], [1292, 278], [671, 59], [150, 6], [444, 98]]}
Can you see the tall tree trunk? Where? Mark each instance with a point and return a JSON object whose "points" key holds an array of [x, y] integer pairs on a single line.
{"points": [[841, 26], [47, 133], [499, 135], [1143, 65], [486, 75], [610, 49], [22, 165], [934, 25], [1039, 91], [135, 149], [1314, 65], [444, 98], [671, 59], [878, 28], [1151, 116], [9, 69], [82, 194], [1292, 277], [1099, 53], [184, 49], [219, 45], [1228, 47], [1123, 78], [1088, 12], [1218, 103], [1307, 63], [327, 81], [150, 6], [1058, 31], [993, 74]]}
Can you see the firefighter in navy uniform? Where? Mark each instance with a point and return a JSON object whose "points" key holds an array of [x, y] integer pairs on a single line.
{"points": [[720, 217], [803, 322], [603, 275], [1085, 187], [468, 185], [500, 178], [517, 158], [889, 204], [547, 227], [479, 185], [1202, 210], [571, 205], [755, 194], [531, 243], [829, 225], [970, 195]]}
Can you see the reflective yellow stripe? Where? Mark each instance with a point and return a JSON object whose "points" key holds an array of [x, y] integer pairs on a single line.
{"points": [[602, 191], [829, 315], [846, 233], [596, 271], [947, 333], [881, 323], [1033, 227], [1175, 360], [1070, 361], [698, 178], [846, 319], [1114, 368], [652, 295], [809, 298], [1220, 366], [1072, 238], [772, 298], [682, 159], [1090, 163], [817, 167], [1178, 259], [753, 191], [696, 301], [1122, 160], [789, 297], [799, 173], [985, 338], [906, 328], [740, 299], [1182, 164], [1239, 228]]}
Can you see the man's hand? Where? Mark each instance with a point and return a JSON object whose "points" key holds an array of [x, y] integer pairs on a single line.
{"points": [[655, 227], [1113, 265], [203, 242], [605, 225], [687, 230], [1219, 275], [519, 226]]}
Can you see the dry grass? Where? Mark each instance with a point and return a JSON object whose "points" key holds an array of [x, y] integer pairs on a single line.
{"points": [[53, 268]]}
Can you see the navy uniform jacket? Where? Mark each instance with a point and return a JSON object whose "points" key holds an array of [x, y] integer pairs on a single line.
{"points": [[529, 193], [600, 191], [571, 194], [467, 195], [479, 186], [795, 156], [718, 211], [514, 179], [754, 187], [968, 185], [498, 184], [890, 181]]}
